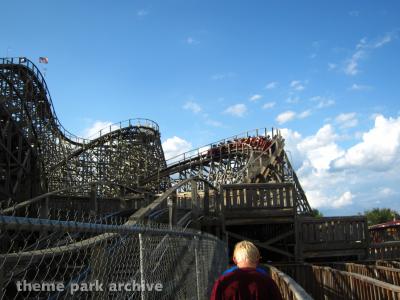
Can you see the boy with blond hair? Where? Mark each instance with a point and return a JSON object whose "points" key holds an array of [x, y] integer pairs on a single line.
{"points": [[245, 280]]}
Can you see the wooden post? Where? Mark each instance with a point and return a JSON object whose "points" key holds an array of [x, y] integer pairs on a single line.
{"points": [[195, 207], [367, 239], [172, 210], [44, 209], [222, 214], [206, 199], [93, 199], [298, 255]]}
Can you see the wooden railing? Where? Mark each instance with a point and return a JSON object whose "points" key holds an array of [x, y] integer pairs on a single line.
{"points": [[290, 289], [386, 274], [257, 195], [388, 263], [327, 283], [387, 250], [335, 236]]}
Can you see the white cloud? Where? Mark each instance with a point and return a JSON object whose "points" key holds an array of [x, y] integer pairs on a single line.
{"points": [[271, 85], [175, 146], [192, 41], [347, 120], [290, 115], [387, 38], [255, 98], [192, 106], [378, 150], [142, 13], [331, 66], [292, 139], [220, 76], [268, 105], [386, 191], [315, 153], [352, 64], [297, 85], [285, 117], [321, 149], [359, 87], [347, 179], [322, 102], [364, 47], [93, 131], [237, 110], [213, 123], [304, 114], [343, 200], [326, 103], [293, 100]]}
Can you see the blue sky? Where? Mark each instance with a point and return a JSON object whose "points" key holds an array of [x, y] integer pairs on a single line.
{"points": [[325, 72]]}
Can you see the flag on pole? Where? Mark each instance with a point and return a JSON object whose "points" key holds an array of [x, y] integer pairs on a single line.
{"points": [[43, 60]]}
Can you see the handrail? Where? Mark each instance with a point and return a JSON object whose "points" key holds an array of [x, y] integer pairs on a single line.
{"points": [[386, 274], [328, 283], [142, 212], [289, 288], [386, 250]]}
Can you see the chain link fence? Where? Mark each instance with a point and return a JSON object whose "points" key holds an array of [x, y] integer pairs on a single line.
{"points": [[54, 259]]}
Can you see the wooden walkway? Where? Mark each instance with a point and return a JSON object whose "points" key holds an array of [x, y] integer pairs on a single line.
{"points": [[323, 282]]}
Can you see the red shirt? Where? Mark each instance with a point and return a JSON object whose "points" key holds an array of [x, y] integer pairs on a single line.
{"points": [[245, 284]]}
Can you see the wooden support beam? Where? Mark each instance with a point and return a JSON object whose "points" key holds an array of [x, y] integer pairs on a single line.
{"points": [[206, 200], [250, 221], [93, 199], [194, 195], [172, 216], [279, 237], [260, 244]]}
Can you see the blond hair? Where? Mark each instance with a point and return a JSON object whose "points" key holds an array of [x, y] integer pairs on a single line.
{"points": [[246, 250]]}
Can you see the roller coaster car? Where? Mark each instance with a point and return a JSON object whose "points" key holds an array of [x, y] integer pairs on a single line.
{"points": [[260, 143], [212, 151]]}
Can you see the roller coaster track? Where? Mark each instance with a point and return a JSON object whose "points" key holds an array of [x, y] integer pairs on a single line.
{"points": [[129, 152], [247, 157], [123, 152]]}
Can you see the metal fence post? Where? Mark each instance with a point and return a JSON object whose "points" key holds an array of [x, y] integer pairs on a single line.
{"points": [[141, 262], [196, 257]]}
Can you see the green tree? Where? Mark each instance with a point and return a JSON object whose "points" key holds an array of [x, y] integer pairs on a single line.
{"points": [[380, 215], [316, 213]]}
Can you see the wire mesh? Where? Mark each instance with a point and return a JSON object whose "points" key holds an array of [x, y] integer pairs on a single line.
{"points": [[55, 259]]}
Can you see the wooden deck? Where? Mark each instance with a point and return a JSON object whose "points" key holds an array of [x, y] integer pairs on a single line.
{"points": [[266, 204], [258, 203], [332, 237], [322, 282]]}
